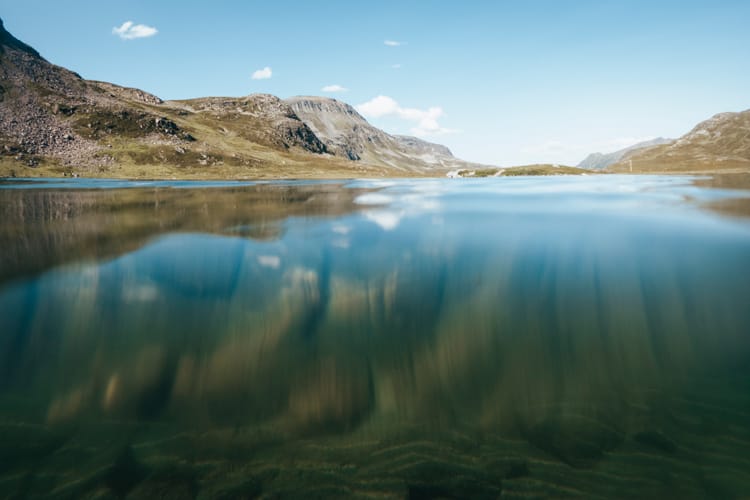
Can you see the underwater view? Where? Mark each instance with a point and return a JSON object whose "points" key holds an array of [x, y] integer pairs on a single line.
{"points": [[520, 337]]}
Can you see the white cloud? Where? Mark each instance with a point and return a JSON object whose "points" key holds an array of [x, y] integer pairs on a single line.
{"points": [[551, 147], [262, 74], [426, 120], [140, 293], [393, 43], [378, 106], [373, 199], [624, 142], [556, 146], [396, 66], [556, 150], [130, 31], [386, 219], [272, 261], [334, 88]]}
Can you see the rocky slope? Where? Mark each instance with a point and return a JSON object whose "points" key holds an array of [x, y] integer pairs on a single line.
{"points": [[35, 97], [51, 116], [719, 143], [54, 122], [599, 161], [347, 134], [260, 118]]}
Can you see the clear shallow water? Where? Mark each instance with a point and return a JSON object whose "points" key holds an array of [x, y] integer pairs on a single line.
{"points": [[428, 338]]}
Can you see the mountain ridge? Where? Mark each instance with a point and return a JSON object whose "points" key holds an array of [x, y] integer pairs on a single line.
{"points": [[8, 40], [348, 134], [600, 161], [721, 142], [54, 122]]}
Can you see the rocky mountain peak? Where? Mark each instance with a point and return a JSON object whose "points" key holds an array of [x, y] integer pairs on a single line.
{"points": [[50, 117], [261, 118], [348, 134], [315, 104], [711, 129], [9, 41], [424, 147]]}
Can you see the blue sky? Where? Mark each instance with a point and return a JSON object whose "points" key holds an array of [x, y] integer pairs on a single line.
{"points": [[499, 82]]}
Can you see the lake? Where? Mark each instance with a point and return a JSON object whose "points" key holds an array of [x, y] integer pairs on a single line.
{"points": [[468, 338]]}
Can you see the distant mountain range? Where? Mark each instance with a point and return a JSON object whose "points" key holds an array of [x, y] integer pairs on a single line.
{"points": [[600, 161], [52, 121], [720, 143]]}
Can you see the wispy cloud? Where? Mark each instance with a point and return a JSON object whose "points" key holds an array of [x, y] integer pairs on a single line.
{"points": [[334, 88], [393, 43], [262, 74], [271, 261], [396, 66], [551, 147], [562, 151], [624, 142], [556, 146], [388, 220], [129, 31], [426, 120]]}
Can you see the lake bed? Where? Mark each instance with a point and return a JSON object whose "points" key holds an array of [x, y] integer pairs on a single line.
{"points": [[579, 336]]}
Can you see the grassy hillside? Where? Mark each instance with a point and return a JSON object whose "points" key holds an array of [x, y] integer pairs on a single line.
{"points": [[536, 169], [54, 123], [719, 144], [195, 141]]}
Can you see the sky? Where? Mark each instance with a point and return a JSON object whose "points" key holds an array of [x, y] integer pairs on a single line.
{"points": [[499, 82]]}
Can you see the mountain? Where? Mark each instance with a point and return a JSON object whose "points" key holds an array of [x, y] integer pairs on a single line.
{"points": [[53, 122], [600, 161], [719, 143], [35, 96], [346, 133]]}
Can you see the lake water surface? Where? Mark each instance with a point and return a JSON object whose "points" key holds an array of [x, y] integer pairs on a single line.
{"points": [[515, 337]]}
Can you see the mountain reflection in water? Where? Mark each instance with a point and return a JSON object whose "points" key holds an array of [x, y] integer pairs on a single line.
{"points": [[537, 335]]}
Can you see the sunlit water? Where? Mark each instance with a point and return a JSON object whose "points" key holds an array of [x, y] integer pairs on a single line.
{"points": [[520, 337]]}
